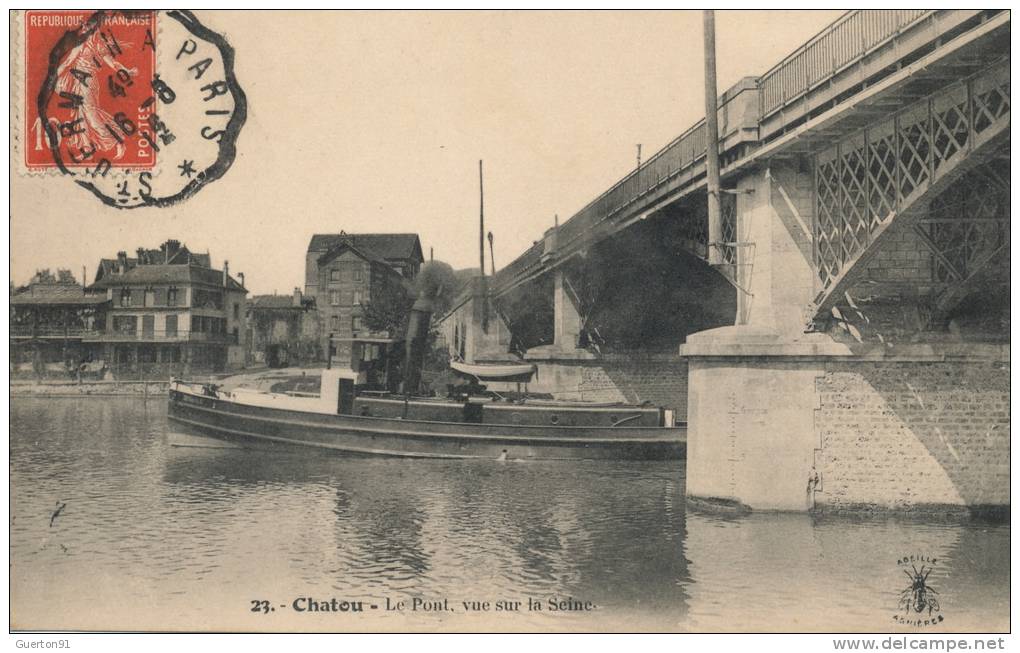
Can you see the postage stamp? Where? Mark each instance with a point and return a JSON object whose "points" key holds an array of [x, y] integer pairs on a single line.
{"points": [[139, 107], [89, 82]]}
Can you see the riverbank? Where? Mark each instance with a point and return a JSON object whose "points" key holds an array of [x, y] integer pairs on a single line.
{"points": [[258, 378], [89, 388]]}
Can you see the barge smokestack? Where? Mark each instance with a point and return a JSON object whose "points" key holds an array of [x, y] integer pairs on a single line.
{"points": [[416, 341], [428, 288]]}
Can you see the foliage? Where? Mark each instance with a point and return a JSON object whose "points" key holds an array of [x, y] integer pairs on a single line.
{"points": [[46, 276], [389, 307], [438, 282]]}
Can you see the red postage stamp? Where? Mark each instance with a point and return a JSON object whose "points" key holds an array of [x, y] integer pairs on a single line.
{"points": [[95, 79], [135, 122]]}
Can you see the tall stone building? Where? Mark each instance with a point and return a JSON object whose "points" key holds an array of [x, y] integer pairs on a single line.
{"points": [[344, 273]]}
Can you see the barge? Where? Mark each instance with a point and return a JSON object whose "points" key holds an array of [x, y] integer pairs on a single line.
{"points": [[344, 418]]}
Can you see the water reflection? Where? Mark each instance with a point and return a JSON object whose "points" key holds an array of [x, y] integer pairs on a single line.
{"points": [[842, 572], [163, 537]]}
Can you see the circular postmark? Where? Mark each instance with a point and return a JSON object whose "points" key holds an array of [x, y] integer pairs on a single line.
{"points": [[142, 108]]}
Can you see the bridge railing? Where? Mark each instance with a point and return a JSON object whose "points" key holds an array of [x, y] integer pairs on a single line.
{"points": [[678, 155], [850, 38], [681, 153], [507, 276], [859, 44]]}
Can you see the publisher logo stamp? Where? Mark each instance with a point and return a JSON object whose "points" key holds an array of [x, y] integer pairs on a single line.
{"points": [[919, 599]]}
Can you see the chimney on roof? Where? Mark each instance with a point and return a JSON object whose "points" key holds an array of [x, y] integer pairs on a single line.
{"points": [[170, 249], [240, 275], [226, 272], [296, 302], [140, 252], [121, 262]]}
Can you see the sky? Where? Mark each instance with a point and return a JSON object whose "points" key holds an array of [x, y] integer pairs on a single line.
{"points": [[375, 122]]}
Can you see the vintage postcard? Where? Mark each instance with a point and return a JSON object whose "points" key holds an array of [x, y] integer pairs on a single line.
{"points": [[511, 321]]}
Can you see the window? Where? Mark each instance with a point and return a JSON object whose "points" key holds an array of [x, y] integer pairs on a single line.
{"points": [[334, 323], [334, 297], [172, 354], [149, 298], [207, 299], [357, 296], [357, 273], [125, 297], [171, 326], [171, 296], [237, 311], [334, 275], [125, 323], [236, 336], [356, 323]]}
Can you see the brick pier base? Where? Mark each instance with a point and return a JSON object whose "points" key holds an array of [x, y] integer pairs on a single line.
{"points": [[813, 426]]}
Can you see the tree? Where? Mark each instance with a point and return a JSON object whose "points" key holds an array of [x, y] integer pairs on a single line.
{"points": [[439, 282], [46, 276], [43, 276], [388, 308]]}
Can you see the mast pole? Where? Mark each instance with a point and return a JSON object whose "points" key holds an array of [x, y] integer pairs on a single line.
{"points": [[712, 141], [492, 257], [481, 249], [481, 220]]}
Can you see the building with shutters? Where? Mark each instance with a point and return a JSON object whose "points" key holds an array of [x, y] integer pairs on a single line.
{"points": [[52, 330], [344, 274], [168, 310]]}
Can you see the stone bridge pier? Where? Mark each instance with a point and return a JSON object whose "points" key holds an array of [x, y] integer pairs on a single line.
{"points": [[869, 365]]}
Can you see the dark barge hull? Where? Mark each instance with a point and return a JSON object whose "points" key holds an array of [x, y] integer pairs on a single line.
{"points": [[258, 425]]}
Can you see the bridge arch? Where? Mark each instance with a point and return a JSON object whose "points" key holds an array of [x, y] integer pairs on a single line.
{"points": [[898, 172], [645, 287]]}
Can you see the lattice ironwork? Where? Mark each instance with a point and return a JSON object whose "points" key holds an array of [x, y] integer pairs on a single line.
{"points": [[967, 224], [881, 171], [857, 222], [729, 245], [865, 180], [828, 227]]}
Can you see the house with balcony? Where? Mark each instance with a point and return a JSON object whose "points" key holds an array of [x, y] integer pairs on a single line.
{"points": [[169, 311], [52, 329]]}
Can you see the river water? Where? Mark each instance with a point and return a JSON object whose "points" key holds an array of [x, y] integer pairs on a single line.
{"points": [[156, 537]]}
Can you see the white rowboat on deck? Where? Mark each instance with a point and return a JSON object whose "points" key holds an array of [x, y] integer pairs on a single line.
{"points": [[495, 371]]}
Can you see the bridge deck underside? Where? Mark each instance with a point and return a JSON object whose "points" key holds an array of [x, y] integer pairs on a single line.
{"points": [[647, 287]]}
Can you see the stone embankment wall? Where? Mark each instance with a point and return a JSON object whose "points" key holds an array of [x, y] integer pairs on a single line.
{"points": [[634, 378], [96, 388]]}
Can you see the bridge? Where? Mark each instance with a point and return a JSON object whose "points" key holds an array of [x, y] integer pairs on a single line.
{"points": [[863, 294]]}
